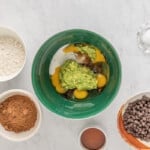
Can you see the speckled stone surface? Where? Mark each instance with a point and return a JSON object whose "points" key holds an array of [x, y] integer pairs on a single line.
{"points": [[116, 20]]}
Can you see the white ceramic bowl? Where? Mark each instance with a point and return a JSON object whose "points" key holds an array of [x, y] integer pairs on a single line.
{"points": [[10, 33], [125, 105], [88, 127], [26, 134]]}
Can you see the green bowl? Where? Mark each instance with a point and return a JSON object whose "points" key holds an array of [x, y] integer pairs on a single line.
{"points": [[45, 90]]}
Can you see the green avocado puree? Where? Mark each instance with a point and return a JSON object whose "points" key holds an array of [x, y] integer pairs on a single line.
{"points": [[73, 75]]}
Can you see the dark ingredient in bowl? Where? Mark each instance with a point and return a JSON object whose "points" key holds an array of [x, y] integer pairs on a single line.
{"points": [[18, 113], [83, 58], [93, 139], [136, 118], [69, 94]]}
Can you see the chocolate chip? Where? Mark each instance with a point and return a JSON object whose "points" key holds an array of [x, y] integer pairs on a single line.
{"points": [[136, 118]]}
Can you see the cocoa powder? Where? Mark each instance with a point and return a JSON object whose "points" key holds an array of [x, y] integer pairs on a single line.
{"points": [[93, 139], [18, 113]]}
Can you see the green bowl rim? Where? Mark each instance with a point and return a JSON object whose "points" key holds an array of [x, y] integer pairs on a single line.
{"points": [[85, 116]]}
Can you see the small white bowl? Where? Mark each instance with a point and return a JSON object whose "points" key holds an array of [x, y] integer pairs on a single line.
{"points": [[143, 37], [88, 127], [12, 34], [22, 136]]}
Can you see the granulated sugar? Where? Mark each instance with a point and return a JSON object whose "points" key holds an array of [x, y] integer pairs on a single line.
{"points": [[12, 56]]}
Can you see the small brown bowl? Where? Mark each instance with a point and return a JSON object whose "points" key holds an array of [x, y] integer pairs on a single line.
{"points": [[96, 133]]}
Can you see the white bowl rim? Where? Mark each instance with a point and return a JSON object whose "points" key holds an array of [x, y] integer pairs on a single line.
{"points": [[135, 97], [33, 98], [16, 36]]}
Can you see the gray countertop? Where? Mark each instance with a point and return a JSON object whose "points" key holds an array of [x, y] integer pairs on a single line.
{"points": [[116, 20]]}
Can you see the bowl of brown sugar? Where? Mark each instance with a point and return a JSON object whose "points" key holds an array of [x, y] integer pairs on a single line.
{"points": [[20, 115]]}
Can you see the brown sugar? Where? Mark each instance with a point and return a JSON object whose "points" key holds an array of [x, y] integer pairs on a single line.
{"points": [[18, 113], [93, 139]]}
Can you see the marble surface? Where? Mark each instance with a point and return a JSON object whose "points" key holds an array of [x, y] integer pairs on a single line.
{"points": [[116, 20]]}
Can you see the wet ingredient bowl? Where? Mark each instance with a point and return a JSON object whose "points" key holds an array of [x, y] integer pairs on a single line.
{"points": [[47, 94], [25, 135], [12, 54]]}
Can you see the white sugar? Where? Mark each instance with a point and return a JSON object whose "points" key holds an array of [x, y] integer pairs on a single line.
{"points": [[146, 37], [12, 56]]}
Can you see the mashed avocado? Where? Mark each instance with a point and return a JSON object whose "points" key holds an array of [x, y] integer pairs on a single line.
{"points": [[90, 50], [73, 75]]}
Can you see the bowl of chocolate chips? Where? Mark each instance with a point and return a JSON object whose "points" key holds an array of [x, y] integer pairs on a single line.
{"points": [[20, 115], [134, 121]]}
